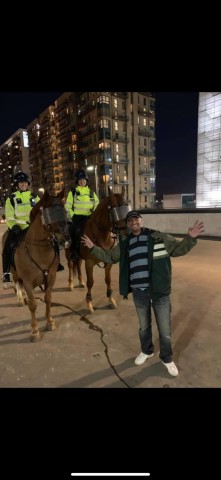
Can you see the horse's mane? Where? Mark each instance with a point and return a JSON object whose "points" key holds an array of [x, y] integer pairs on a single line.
{"points": [[101, 208], [108, 202], [35, 210]]}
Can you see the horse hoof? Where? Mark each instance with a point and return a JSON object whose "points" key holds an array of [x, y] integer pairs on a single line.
{"points": [[90, 309], [82, 285], [112, 305], [35, 337], [51, 326]]}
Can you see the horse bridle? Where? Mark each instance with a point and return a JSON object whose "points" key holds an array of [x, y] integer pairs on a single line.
{"points": [[56, 214]]}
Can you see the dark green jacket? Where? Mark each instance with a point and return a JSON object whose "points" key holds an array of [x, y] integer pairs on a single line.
{"points": [[161, 246]]}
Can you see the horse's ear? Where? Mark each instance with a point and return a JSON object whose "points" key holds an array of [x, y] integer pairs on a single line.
{"points": [[60, 195]]}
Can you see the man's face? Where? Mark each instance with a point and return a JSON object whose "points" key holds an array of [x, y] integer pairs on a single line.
{"points": [[135, 224], [23, 186]]}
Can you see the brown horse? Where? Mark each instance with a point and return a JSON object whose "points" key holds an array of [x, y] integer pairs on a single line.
{"points": [[108, 217], [36, 257]]}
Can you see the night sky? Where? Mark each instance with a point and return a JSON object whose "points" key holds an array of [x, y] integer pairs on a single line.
{"points": [[176, 132], [176, 142]]}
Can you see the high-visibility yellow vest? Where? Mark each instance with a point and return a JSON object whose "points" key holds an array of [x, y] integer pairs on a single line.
{"points": [[81, 201], [18, 207]]}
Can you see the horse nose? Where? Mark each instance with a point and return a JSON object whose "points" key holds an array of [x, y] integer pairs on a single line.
{"points": [[67, 240]]}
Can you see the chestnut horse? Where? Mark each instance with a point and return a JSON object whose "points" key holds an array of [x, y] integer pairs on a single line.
{"points": [[101, 228], [36, 257]]}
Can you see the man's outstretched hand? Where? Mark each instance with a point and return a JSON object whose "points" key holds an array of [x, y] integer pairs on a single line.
{"points": [[196, 229]]}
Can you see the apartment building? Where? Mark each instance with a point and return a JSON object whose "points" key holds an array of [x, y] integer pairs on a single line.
{"points": [[109, 134], [14, 156], [53, 145]]}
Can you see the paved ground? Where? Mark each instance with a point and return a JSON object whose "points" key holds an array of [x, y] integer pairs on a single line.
{"points": [[98, 350]]}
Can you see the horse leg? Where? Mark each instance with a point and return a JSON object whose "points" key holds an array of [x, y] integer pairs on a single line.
{"points": [[72, 266], [80, 278], [111, 301], [20, 293], [90, 283], [18, 288], [32, 305], [50, 325], [70, 275]]}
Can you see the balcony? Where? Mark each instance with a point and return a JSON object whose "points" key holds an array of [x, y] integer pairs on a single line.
{"points": [[146, 153], [120, 116], [82, 125], [145, 132], [145, 112], [121, 182], [147, 172], [121, 94], [120, 139], [87, 108], [90, 129], [121, 160], [144, 192], [83, 144], [92, 151]]}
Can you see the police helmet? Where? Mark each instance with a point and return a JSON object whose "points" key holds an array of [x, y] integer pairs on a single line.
{"points": [[21, 177], [79, 175]]}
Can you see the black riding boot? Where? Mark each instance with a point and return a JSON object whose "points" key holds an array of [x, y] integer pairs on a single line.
{"points": [[72, 232], [76, 231], [7, 257]]}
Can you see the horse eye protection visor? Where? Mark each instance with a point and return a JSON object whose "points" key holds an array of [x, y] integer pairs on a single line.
{"points": [[55, 214]]}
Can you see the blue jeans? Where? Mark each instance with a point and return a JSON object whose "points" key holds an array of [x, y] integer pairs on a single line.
{"points": [[162, 311]]}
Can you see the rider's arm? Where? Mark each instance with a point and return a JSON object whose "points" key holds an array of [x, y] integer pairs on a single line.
{"points": [[69, 205], [9, 214]]}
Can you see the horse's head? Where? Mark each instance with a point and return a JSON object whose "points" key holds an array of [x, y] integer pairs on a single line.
{"points": [[54, 218], [118, 208]]}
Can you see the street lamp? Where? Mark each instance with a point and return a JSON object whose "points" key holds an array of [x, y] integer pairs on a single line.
{"points": [[94, 168]]}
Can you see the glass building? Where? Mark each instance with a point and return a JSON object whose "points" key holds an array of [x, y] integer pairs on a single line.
{"points": [[208, 185]]}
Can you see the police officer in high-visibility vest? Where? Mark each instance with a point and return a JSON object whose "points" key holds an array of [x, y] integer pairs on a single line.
{"points": [[17, 209], [80, 203]]}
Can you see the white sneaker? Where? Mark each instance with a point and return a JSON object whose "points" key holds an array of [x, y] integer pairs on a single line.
{"points": [[142, 358], [172, 369]]}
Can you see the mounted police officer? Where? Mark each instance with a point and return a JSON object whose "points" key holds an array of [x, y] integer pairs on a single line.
{"points": [[80, 203], [17, 209]]}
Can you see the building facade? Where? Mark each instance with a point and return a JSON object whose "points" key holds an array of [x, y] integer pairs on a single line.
{"points": [[14, 156], [111, 135], [208, 187]]}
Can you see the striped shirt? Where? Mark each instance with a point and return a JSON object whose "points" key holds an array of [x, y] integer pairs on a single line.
{"points": [[138, 261]]}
